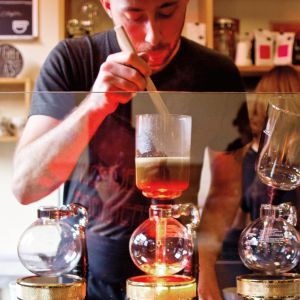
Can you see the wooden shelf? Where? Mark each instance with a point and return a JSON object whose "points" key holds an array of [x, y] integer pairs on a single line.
{"points": [[256, 71], [8, 139], [11, 80], [22, 88]]}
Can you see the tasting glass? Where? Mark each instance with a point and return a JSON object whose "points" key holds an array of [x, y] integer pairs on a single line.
{"points": [[278, 164]]}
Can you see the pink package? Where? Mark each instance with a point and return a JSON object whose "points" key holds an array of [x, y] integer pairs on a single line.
{"points": [[284, 42], [264, 47]]}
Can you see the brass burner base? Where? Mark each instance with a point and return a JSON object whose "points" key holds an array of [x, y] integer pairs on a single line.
{"points": [[147, 287], [260, 286], [69, 287]]}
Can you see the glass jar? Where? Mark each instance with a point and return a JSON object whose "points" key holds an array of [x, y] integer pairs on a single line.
{"points": [[225, 36]]}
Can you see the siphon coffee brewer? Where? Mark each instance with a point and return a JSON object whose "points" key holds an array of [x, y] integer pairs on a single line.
{"points": [[54, 249], [162, 246], [270, 245]]}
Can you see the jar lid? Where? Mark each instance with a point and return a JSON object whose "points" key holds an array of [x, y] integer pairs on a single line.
{"points": [[69, 287], [175, 287], [224, 21]]}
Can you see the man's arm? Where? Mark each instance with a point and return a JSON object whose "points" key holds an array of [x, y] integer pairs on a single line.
{"points": [[49, 149], [219, 212]]}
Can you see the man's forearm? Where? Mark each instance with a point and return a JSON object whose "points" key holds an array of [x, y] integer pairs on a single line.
{"points": [[46, 162]]}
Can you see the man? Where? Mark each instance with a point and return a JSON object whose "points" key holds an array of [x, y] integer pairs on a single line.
{"points": [[59, 134]]}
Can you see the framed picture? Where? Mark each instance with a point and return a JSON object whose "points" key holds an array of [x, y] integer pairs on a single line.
{"points": [[18, 19]]}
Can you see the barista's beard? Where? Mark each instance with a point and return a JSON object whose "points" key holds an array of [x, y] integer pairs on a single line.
{"points": [[167, 59]]}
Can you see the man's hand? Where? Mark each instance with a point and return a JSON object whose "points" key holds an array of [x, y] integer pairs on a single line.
{"points": [[220, 209], [119, 77]]}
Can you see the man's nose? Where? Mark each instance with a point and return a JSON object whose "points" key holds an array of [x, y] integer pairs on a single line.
{"points": [[153, 33]]}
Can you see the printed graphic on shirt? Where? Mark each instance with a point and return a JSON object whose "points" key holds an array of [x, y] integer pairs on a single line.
{"points": [[104, 181]]}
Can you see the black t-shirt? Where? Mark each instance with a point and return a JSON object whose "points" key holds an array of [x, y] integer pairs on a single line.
{"points": [[73, 66], [104, 178]]}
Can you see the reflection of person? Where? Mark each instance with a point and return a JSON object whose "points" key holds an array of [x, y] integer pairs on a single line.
{"points": [[53, 148], [280, 79], [231, 212], [242, 123]]}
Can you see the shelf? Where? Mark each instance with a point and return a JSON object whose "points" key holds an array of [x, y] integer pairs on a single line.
{"points": [[11, 90], [256, 71], [13, 81], [8, 139], [26, 88]]}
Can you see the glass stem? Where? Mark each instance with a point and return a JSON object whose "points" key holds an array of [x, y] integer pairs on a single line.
{"points": [[161, 229], [271, 192]]}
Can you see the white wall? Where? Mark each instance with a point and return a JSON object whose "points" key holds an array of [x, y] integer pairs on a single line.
{"points": [[15, 217]]}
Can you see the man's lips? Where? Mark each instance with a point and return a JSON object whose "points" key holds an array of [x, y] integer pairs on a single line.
{"points": [[158, 53]]}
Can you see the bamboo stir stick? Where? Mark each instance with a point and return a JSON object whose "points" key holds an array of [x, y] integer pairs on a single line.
{"points": [[126, 45], [161, 223]]}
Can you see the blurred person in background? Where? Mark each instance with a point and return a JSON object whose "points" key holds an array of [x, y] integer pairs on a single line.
{"points": [[226, 213]]}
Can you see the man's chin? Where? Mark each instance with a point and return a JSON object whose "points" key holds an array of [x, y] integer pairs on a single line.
{"points": [[159, 62], [155, 67]]}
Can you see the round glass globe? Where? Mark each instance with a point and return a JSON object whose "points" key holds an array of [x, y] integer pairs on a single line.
{"points": [[161, 255], [269, 245], [49, 247]]}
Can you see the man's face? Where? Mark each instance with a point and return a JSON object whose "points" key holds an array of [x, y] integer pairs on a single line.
{"points": [[154, 26]]}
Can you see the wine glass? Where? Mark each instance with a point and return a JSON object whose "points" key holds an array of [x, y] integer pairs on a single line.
{"points": [[278, 163]]}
